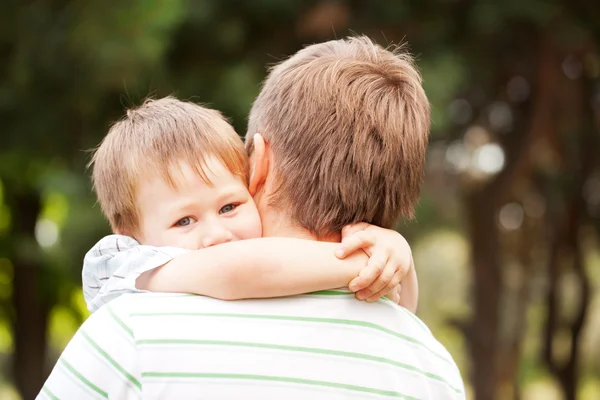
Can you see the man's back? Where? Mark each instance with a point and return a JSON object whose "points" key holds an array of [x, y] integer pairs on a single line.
{"points": [[318, 346]]}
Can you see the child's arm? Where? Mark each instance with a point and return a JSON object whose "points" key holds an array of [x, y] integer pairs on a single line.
{"points": [[390, 267], [256, 268]]}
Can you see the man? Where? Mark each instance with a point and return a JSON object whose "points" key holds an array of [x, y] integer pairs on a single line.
{"points": [[337, 135]]}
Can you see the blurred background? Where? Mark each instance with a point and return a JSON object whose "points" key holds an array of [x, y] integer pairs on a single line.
{"points": [[507, 237]]}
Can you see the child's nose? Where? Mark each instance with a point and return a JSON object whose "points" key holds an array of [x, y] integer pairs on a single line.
{"points": [[217, 234]]}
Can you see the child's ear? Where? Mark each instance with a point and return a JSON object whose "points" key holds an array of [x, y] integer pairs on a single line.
{"points": [[259, 164]]}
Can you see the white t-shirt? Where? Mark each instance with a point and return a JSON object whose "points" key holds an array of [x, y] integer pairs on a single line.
{"points": [[112, 266], [324, 345]]}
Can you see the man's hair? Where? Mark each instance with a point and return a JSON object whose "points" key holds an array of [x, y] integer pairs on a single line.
{"points": [[348, 125], [152, 140]]}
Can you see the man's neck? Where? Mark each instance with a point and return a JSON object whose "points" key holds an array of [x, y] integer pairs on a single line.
{"points": [[283, 228]]}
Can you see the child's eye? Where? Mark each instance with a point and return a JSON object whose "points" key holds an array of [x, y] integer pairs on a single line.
{"points": [[184, 221], [228, 208]]}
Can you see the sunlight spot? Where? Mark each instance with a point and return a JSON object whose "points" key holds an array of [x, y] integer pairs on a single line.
{"points": [[489, 158], [500, 116], [510, 216], [46, 233], [457, 156]]}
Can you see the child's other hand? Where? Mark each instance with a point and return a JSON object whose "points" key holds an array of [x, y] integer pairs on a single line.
{"points": [[394, 294], [390, 259]]}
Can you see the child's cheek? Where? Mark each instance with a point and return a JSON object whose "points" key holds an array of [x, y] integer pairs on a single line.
{"points": [[256, 226]]}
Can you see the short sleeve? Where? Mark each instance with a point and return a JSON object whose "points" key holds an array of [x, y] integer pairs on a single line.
{"points": [[112, 266]]}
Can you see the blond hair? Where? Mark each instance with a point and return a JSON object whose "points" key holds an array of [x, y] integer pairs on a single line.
{"points": [[153, 139], [348, 125]]}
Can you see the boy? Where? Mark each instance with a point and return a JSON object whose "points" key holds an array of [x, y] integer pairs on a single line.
{"points": [[171, 178]]}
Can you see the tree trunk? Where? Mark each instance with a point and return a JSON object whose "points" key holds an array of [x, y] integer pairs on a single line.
{"points": [[482, 206], [566, 373], [487, 286], [31, 307], [565, 235]]}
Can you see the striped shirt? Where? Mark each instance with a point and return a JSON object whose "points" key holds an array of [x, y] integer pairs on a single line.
{"points": [[323, 345], [112, 266]]}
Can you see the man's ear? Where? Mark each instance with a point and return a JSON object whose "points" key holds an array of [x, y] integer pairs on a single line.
{"points": [[259, 164]]}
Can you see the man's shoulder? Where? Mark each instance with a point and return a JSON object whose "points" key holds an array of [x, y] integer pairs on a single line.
{"points": [[323, 304], [332, 307], [336, 307], [136, 303], [328, 325]]}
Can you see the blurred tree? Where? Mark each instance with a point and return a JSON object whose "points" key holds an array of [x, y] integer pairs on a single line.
{"points": [[569, 212], [61, 61]]}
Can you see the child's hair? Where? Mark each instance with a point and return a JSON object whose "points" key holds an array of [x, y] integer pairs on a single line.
{"points": [[348, 123], [152, 140]]}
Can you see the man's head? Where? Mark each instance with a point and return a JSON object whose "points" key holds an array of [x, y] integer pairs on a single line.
{"points": [[173, 173], [346, 123]]}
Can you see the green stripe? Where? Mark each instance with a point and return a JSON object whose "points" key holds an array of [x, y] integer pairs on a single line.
{"points": [[380, 300], [49, 393], [342, 293], [299, 349], [348, 322], [331, 293], [82, 379], [263, 378], [410, 314], [120, 322], [122, 370]]}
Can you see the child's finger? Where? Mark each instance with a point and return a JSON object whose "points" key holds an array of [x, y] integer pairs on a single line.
{"points": [[396, 298], [377, 295], [387, 273], [398, 292], [366, 276], [359, 240], [394, 294], [369, 274], [357, 284]]}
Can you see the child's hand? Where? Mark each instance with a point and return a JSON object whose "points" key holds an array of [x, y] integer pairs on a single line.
{"points": [[390, 259]]}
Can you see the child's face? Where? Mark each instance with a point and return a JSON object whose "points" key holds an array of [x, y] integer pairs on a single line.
{"points": [[196, 215]]}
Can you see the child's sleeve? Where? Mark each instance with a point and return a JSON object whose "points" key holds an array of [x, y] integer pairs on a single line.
{"points": [[112, 266]]}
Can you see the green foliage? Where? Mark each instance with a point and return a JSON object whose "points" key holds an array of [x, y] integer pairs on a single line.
{"points": [[444, 75], [489, 17], [115, 41]]}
